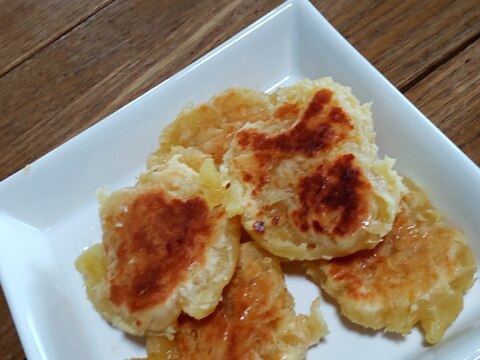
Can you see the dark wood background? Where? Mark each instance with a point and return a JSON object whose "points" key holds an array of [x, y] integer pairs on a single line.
{"points": [[64, 65]]}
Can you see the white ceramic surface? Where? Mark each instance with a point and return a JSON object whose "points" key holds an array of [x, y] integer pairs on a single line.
{"points": [[48, 212]]}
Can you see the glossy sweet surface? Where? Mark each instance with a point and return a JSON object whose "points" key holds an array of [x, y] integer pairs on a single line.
{"points": [[418, 274], [254, 320]]}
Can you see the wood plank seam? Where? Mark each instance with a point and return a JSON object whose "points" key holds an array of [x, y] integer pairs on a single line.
{"points": [[437, 64], [52, 40]]}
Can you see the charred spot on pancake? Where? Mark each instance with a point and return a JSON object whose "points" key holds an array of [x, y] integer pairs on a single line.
{"points": [[247, 177], [319, 100], [333, 199], [287, 111], [159, 239], [338, 115], [318, 129], [317, 227]]}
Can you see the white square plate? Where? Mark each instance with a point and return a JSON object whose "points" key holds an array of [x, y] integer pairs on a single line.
{"points": [[48, 214]]}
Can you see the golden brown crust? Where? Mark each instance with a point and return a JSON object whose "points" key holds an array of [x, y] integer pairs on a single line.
{"points": [[417, 274], [271, 145], [314, 187], [158, 240], [320, 127], [287, 111], [300, 166], [333, 199], [269, 142], [168, 247], [210, 127], [254, 320]]}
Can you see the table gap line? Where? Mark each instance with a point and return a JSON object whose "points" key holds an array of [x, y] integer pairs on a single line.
{"points": [[437, 64], [53, 39]]}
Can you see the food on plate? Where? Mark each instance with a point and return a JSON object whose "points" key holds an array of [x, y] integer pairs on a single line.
{"points": [[418, 274], [216, 185], [314, 187], [210, 127], [168, 247], [190, 254], [254, 320]]}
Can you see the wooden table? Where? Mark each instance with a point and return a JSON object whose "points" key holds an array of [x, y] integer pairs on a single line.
{"points": [[66, 65]]}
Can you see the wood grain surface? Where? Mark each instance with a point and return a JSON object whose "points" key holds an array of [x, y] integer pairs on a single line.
{"points": [[450, 97], [65, 67], [405, 39], [10, 347], [28, 26]]}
